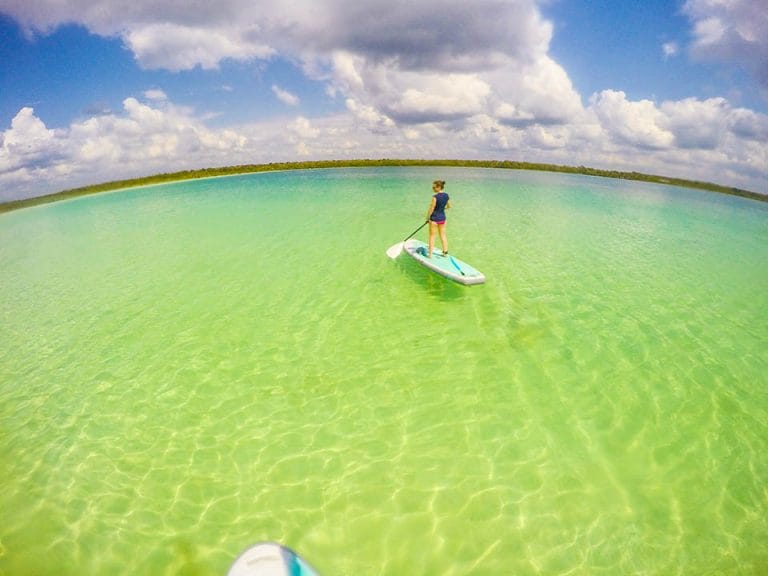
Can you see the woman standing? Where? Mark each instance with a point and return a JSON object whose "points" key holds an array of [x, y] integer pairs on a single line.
{"points": [[436, 216]]}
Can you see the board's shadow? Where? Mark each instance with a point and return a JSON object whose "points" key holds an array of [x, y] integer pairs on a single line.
{"points": [[433, 284]]}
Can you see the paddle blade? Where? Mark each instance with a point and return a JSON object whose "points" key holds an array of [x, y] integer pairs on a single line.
{"points": [[395, 250]]}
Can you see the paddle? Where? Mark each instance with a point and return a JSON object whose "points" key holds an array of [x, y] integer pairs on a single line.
{"points": [[395, 250]]}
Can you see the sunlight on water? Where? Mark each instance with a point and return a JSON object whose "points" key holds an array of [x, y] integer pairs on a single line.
{"points": [[190, 368]]}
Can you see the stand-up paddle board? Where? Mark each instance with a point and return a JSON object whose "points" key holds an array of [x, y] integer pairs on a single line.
{"points": [[444, 264], [270, 559]]}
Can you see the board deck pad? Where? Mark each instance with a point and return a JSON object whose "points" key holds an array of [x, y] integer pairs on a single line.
{"points": [[446, 265]]}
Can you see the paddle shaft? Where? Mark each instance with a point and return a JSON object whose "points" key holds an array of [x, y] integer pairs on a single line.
{"points": [[417, 229]]}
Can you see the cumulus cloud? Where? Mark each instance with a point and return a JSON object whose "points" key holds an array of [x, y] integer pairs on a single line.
{"points": [[539, 93], [27, 148], [691, 138], [285, 97], [303, 128], [706, 140], [638, 124], [749, 125], [175, 47], [440, 34], [27, 131], [139, 140], [399, 57], [696, 124], [369, 117], [437, 79], [688, 124], [669, 49], [433, 97], [450, 62], [155, 94], [735, 31]]}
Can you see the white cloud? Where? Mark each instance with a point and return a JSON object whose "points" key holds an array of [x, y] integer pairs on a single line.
{"points": [[443, 35], [370, 118], [669, 49], [749, 125], [175, 47], [140, 140], [155, 94], [412, 62], [27, 132], [700, 140], [285, 97], [538, 93], [303, 128], [705, 140], [519, 93], [418, 98], [444, 78], [638, 124], [439, 34], [732, 31], [696, 124], [28, 148]]}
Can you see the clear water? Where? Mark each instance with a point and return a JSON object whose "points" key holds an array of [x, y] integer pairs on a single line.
{"points": [[191, 368]]}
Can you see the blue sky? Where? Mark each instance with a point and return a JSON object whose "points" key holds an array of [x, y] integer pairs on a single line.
{"points": [[95, 92]]}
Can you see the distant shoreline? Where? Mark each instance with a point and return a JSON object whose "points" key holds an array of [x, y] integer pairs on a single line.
{"points": [[279, 166]]}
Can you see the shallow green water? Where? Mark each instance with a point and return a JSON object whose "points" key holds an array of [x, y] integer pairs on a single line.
{"points": [[188, 369]]}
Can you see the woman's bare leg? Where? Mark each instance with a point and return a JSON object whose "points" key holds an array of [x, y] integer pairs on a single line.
{"points": [[443, 238], [432, 231]]}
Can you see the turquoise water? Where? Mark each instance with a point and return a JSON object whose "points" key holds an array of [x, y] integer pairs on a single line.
{"points": [[190, 368]]}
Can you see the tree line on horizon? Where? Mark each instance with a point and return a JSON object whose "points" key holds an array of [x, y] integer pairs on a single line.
{"points": [[320, 164]]}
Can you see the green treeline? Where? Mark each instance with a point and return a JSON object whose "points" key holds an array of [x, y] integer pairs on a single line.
{"points": [[251, 168]]}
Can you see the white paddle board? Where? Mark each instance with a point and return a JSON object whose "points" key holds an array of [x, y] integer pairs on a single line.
{"points": [[270, 559], [444, 264]]}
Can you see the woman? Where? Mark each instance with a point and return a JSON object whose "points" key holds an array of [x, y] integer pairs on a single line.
{"points": [[436, 216]]}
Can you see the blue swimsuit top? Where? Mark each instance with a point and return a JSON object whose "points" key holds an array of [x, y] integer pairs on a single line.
{"points": [[438, 214]]}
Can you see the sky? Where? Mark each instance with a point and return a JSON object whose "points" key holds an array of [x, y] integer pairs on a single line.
{"points": [[94, 91]]}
